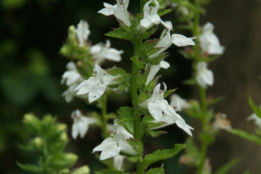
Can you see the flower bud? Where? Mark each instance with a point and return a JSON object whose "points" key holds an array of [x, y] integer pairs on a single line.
{"points": [[72, 34], [38, 142], [32, 123]]}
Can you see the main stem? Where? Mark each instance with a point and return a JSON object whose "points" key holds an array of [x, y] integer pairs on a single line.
{"points": [[134, 97], [204, 120]]}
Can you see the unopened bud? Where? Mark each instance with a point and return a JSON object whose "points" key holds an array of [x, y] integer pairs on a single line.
{"points": [[32, 123], [64, 136], [38, 142]]}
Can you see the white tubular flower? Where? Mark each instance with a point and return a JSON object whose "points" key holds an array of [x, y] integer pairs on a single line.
{"points": [[166, 40], [204, 76], [209, 42], [101, 52], [81, 124], [111, 147], [155, 68], [256, 119], [178, 103], [69, 93], [118, 162], [221, 122], [96, 85], [71, 76], [119, 10], [161, 111], [150, 16], [82, 32]]}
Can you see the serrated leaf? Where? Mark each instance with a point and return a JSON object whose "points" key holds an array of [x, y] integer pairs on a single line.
{"points": [[165, 11], [168, 92], [137, 145], [189, 82], [147, 34], [226, 168], [156, 171], [255, 108], [246, 135], [158, 59], [126, 118], [30, 167], [161, 155], [126, 114], [120, 33], [150, 87]]}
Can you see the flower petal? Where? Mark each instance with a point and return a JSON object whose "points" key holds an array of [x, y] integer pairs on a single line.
{"points": [[74, 130], [155, 110], [181, 41], [96, 92], [86, 85]]}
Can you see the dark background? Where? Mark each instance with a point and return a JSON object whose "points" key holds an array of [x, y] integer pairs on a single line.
{"points": [[32, 32]]}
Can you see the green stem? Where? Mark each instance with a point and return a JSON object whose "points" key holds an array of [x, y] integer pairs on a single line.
{"points": [[134, 97], [103, 104], [204, 122]]}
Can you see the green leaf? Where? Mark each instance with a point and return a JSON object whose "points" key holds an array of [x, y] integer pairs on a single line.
{"points": [[137, 145], [133, 159], [63, 160], [246, 135], [150, 87], [194, 109], [154, 133], [165, 11], [256, 109], [168, 92], [106, 171], [120, 33], [161, 155], [30, 167], [126, 118], [32, 123], [156, 171], [147, 34], [189, 82], [82, 170], [226, 168], [126, 114]]}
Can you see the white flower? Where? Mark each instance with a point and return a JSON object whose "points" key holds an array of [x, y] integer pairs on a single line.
{"points": [[112, 146], [119, 10], [178, 103], [209, 42], [150, 16], [71, 76], [69, 93], [161, 111], [221, 122], [155, 68], [256, 119], [118, 162], [166, 40], [81, 124], [101, 52], [96, 85], [82, 32], [204, 76]]}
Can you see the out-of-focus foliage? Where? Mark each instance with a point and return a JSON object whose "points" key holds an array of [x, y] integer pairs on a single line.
{"points": [[32, 32]]}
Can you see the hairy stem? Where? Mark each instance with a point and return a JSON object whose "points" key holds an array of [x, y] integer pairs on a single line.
{"points": [[134, 97]]}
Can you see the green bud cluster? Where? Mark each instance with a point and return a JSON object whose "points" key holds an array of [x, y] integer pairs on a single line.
{"points": [[49, 142]]}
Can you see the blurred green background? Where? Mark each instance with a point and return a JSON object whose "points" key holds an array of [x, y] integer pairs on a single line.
{"points": [[32, 32]]}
